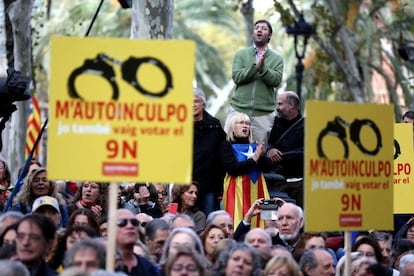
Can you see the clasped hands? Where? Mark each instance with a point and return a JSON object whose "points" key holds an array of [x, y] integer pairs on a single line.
{"points": [[275, 154]]}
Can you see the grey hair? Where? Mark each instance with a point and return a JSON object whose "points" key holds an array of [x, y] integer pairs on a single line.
{"points": [[154, 225], [298, 209], [11, 268], [87, 243], [224, 257], [183, 216], [199, 93], [215, 214], [262, 231], [10, 214], [381, 236], [74, 271], [308, 260], [197, 241], [405, 260]]}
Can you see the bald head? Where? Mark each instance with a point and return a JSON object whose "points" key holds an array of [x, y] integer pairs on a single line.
{"points": [[259, 239], [288, 105], [289, 221]]}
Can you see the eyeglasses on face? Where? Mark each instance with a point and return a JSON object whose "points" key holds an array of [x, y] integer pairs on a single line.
{"points": [[243, 123], [123, 222], [31, 237]]}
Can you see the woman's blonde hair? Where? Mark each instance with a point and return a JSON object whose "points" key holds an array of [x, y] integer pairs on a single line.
{"points": [[237, 118], [281, 261], [26, 196]]}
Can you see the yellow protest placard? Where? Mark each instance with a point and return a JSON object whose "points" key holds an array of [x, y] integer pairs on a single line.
{"points": [[348, 166], [121, 110], [403, 168]]}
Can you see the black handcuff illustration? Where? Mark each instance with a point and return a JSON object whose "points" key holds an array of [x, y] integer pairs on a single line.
{"points": [[103, 65], [337, 128], [397, 149]]}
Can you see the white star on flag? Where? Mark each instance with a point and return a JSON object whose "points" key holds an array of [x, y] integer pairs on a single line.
{"points": [[249, 153]]}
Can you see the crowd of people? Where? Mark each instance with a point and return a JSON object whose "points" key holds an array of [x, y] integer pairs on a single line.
{"points": [[156, 240], [212, 226]]}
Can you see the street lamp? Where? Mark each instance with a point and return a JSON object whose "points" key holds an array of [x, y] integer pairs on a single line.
{"points": [[406, 52], [300, 29]]}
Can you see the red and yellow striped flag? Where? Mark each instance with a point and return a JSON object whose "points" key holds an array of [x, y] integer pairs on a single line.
{"points": [[33, 127], [240, 192]]}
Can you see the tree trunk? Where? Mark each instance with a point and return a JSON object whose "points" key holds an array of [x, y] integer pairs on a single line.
{"points": [[152, 19], [3, 64], [19, 13], [247, 11]]}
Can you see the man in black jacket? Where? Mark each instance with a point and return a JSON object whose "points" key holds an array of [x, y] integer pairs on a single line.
{"points": [[286, 144], [207, 170]]}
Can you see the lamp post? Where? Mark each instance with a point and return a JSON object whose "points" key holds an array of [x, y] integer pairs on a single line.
{"points": [[300, 30], [406, 51]]}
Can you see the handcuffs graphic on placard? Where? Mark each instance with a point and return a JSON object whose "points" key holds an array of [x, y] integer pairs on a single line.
{"points": [[337, 128], [103, 65]]}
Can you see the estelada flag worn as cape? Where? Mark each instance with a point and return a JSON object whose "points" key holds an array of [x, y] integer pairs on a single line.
{"points": [[241, 191]]}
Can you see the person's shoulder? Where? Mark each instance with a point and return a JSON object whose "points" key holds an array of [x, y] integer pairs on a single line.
{"points": [[146, 264], [210, 119], [246, 49]]}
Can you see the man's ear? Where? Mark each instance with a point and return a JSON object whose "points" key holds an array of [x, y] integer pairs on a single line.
{"points": [[308, 269], [301, 222]]}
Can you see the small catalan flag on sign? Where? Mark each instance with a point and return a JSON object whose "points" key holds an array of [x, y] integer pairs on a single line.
{"points": [[33, 127]]}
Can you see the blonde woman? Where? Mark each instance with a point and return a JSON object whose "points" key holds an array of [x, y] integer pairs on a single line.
{"points": [[244, 162], [282, 266], [37, 184]]}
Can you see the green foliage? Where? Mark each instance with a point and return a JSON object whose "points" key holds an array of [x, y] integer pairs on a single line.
{"points": [[191, 17], [374, 31]]}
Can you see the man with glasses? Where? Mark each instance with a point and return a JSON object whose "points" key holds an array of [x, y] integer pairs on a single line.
{"points": [[257, 72], [156, 233], [207, 168], [126, 236], [34, 240]]}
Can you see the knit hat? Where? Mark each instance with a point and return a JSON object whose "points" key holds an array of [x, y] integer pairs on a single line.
{"points": [[200, 94]]}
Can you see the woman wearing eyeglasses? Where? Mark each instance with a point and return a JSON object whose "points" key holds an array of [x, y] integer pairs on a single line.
{"points": [[185, 261], [34, 240], [37, 185], [244, 162]]}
